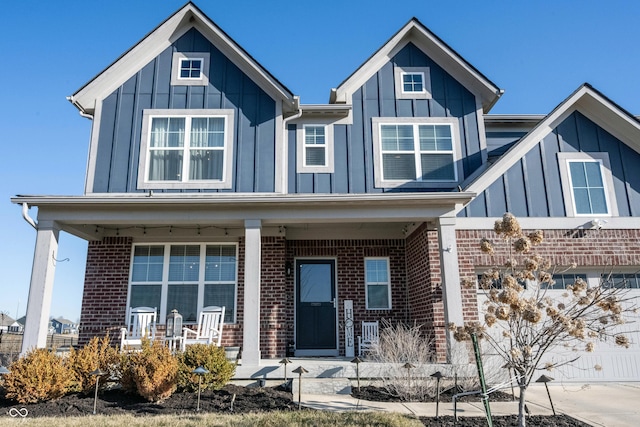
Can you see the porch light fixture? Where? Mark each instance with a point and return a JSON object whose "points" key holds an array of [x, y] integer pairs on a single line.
{"points": [[545, 379], [288, 268], [174, 324], [199, 371], [96, 373], [300, 370]]}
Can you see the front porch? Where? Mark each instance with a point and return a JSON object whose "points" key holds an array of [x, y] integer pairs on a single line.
{"points": [[414, 233]]}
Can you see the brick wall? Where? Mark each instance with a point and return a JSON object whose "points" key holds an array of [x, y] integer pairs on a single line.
{"points": [[276, 302], [350, 256], [104, 298]]}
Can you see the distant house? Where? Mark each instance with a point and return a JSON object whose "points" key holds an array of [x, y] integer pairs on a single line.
{"points": [[209, 183], [63, 326], [5, 322]]}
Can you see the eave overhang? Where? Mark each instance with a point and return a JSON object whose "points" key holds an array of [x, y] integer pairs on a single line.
{"points": [[78, 215], [189, 16]]}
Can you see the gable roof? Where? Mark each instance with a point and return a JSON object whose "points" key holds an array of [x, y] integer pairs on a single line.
{"points": [[586, 100], [6, 320], [189, 16], [441, 53]]}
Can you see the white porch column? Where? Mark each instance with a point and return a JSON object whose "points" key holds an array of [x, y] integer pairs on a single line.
{"points": [[41, 288], [451, 292], [252, 269]]}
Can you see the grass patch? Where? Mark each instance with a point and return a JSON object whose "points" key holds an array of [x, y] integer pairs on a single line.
{"points": [[270, 419]]}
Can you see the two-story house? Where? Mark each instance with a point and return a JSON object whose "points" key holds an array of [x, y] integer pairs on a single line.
{"points": [[210, 183]]}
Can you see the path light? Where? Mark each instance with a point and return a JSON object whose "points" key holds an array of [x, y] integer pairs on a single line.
{"points": [[97, 373], [438, 376], [545, 379], [408, 367], [199, 371], [284, 362], [300, 370], [357, 361]]}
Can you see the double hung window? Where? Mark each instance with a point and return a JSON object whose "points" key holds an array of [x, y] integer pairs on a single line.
{"points": [[377, 283], [422, 152], [314, 146], [185, 277], [186, 150]]}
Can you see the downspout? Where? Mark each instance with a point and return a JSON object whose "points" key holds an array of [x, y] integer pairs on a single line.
{"points": [[25, 215], [285, 142]]}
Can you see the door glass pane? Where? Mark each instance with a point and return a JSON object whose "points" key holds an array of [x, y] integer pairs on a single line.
{"points": [[315, 282]]}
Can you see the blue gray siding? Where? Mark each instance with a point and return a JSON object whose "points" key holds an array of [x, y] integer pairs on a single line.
{"points": [[121, 120], [353, 145], [532, 187]]}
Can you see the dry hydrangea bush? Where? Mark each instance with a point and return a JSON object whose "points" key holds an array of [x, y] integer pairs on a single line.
{"points": [[523, 319]]}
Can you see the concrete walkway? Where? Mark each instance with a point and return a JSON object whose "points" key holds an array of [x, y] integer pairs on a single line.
{"points": [[599, 404]]}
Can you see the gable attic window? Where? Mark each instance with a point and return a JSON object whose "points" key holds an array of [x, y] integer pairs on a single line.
{"points": [[190, 69], [416, 151], [314, 148], [412, 82], [186, 149], [587, 184]]}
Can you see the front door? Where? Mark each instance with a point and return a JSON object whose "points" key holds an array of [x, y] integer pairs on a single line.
{"points": [[316, 333]]}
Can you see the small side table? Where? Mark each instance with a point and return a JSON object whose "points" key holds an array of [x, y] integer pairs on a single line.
{"points": [[174, 343]]}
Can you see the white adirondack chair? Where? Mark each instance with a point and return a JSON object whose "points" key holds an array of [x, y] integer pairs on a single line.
{"points": [[369, 338], [141, 323], [209, 328]]}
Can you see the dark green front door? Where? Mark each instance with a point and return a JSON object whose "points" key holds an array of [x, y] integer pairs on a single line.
{"points": [[316, 308]]}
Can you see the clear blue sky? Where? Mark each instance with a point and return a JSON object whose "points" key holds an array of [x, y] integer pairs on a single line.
{"points": [[537, 51]]}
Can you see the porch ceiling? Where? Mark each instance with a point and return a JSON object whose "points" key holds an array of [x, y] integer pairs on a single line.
{"points": [[93, 216]]}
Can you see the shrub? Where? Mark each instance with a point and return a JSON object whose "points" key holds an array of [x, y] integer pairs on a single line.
{"points": [[151, 372], [211, 358], [97, 354], [400, 344], [38, 376]]}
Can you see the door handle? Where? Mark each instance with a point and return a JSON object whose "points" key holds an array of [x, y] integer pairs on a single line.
{"points": [[334, 303]]}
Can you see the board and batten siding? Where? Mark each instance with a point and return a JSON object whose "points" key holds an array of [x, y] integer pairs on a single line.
{"points": [[532, 186], [118, 150], [353, 144]]}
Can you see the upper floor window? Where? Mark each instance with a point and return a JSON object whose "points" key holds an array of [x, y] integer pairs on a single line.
{"points": [[185, 277], [190, 69], [377, 283], [587, 184], [314, 148], [420, 150], [412, 82], [188, 150]]}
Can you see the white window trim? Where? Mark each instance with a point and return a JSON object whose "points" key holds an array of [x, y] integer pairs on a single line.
{"points": [[301, 167], [366, 284], [143, 165], [567, 188], [415, 183], [162, 310], [176, 60], [398, 72]]}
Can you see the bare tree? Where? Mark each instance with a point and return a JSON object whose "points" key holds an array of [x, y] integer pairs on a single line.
{"points": [[522, 321]]}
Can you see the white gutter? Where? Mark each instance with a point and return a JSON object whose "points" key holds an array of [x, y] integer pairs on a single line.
{"points": [[25, 215]]}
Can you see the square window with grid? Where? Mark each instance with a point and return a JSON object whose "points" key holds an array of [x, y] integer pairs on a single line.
{"points": [[190, 68], [413, 82]]}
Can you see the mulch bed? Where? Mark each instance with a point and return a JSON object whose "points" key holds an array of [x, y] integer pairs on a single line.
{"points": [[247, 399]]}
